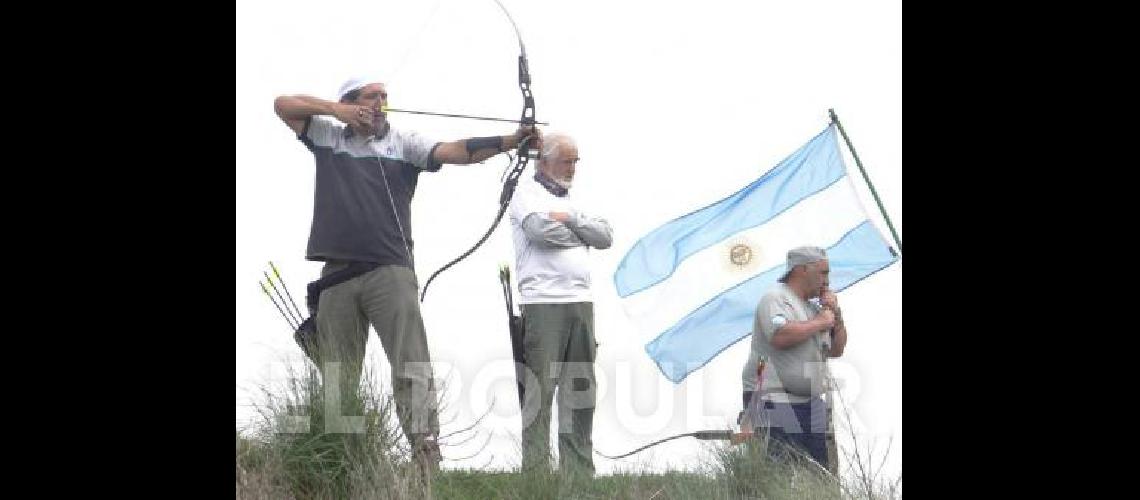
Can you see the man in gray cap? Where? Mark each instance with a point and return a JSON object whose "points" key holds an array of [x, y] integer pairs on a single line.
{"points": [[798, 325], [366, 173]]}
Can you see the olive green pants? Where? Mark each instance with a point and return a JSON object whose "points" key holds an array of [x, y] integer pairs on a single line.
{"points": [[559, 351], [385, 298]]}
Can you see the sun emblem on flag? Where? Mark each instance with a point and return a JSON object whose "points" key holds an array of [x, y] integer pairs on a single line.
{"points": [[740, 254]]}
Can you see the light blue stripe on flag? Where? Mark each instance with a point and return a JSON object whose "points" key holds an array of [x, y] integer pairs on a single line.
{"points": [[813, 167], [728, 317]]}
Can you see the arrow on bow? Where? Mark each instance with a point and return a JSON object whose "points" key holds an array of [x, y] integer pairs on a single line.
{"points": [[522, 155], [451, 115]]}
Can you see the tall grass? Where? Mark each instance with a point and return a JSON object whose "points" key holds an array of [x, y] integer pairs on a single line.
{"points": [[289, 454], [294, 450]]}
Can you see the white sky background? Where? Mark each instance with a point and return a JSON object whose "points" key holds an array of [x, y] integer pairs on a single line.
{"points": [[674, 105]]}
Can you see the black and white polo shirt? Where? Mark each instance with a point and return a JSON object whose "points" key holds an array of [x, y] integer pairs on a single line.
{"points": [[353, 216]]}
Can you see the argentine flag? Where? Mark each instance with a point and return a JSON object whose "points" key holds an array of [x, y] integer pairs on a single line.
{"points": [[695, 281]]}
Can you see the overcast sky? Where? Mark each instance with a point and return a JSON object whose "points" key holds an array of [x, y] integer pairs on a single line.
{"points": [[674, 105]]}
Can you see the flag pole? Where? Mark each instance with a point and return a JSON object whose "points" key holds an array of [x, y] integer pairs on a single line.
{"points": [[835, 119]]}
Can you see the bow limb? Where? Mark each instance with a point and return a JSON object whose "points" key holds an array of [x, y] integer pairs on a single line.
{"points": [[522, 156], [710, 435]]}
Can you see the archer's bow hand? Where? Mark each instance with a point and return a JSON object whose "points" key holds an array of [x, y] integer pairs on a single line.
{"points": [[525, 131]]}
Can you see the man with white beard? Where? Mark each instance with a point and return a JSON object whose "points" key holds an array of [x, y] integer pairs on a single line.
{"points": [[552, 240]]}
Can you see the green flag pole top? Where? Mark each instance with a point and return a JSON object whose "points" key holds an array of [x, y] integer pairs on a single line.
{"points": [[895, 234]]}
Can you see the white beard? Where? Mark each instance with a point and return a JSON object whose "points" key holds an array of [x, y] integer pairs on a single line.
{"points": [[565, 184]]}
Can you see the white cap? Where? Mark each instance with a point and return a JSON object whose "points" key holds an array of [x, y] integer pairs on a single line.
{"points": [[355, 83]]}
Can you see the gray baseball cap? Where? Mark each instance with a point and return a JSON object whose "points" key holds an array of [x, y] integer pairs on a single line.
{"points": [[802, 255]]}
